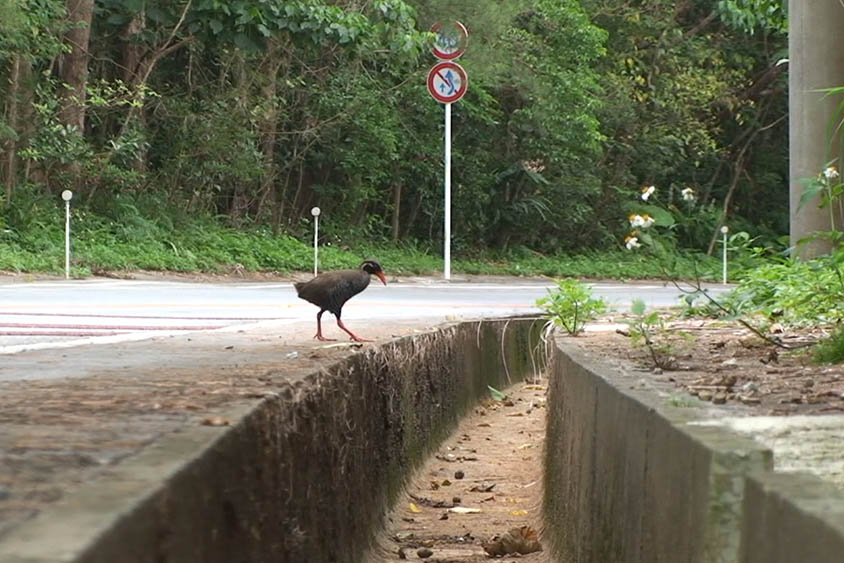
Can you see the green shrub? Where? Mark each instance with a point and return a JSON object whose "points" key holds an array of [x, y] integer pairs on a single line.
{"points": [[571, 305]]}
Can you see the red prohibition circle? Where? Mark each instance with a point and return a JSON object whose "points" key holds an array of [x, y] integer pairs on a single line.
{"points": [[462, 42], [441, 82]]}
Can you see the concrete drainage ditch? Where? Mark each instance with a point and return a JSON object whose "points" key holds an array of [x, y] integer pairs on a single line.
{"points": [[308, 475]]}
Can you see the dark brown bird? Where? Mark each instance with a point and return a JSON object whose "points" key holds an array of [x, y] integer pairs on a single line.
{"points": [[331, 290]]}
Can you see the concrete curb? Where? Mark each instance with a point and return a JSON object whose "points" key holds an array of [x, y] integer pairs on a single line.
{"points": [[792, 517], [630, 479], [305, 475]]}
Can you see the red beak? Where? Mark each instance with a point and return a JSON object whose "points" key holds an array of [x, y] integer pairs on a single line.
{"points": [[381, 277]]}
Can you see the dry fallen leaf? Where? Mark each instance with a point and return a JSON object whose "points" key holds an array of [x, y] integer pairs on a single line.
{"points": [[215, 421], [519, 512], [522, 540], [414, 509], [482, 487]]}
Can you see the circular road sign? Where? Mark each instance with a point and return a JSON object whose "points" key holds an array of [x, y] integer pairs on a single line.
{"points": [[451, 41], [447, 82]]}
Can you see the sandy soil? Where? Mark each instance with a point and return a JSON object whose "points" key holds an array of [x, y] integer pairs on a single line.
{"points": [[484, 481]]}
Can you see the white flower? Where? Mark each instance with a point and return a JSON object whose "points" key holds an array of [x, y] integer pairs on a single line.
{"points": [[688, 194], [632, 242], [831, 172], [643, 221], [647, 191]]}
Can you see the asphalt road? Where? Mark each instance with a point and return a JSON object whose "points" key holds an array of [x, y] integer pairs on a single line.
{"points": [[60, 314]]}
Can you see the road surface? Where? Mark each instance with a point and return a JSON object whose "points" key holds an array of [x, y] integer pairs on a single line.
{"points": [[60, 314]]}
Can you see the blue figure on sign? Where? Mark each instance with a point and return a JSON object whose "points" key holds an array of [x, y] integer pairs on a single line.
{"points": [[449, 82]]}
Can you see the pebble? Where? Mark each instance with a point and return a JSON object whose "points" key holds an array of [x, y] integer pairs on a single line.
{"points": [[4, 493], [424, 552], [750, 387], [458, 474]]}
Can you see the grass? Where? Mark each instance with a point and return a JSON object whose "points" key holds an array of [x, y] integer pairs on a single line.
{"points": [[830, 350], [33, 242]]}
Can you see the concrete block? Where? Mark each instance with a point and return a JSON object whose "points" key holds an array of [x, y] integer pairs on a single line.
{"points": [[629, 480], [792, 517]]}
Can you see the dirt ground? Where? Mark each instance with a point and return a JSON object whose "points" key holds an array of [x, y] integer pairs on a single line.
{"points": [[483, 483], [726, 363]]}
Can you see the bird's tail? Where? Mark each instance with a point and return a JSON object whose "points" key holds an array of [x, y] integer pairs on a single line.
{"points": [[298, 287]]}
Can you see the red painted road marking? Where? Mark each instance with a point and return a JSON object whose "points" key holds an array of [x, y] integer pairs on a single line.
{"points": [[108, 327], [113, 316], [60, 333]]}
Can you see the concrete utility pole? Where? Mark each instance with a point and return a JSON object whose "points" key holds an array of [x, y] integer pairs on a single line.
{"points": [[816, 61]]}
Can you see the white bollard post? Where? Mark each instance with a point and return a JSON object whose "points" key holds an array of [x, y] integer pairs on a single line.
{"points": [[66, 196], [724, 231], [315, 212]]}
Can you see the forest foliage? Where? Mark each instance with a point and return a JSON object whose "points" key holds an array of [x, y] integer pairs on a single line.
{"points": [[165, 116]]}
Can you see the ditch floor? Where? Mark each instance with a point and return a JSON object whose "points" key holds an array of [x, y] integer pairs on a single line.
{"points": [[480, 493]]}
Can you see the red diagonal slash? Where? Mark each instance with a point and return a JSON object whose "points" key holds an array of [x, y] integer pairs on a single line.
{"points": [[447, 81]]}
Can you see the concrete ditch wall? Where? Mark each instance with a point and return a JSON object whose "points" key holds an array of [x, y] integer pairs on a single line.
{"points": [[628, 479], [302, 477]]}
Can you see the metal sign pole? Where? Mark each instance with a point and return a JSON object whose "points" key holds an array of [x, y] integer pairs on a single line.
{"points": [[447, 83], [447, 229]]}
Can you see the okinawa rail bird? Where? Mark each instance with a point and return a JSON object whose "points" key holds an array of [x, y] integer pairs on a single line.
{"points": [[331, 290]]}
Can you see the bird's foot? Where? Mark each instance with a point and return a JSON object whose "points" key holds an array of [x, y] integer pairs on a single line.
{"points": [[321, 338], [359, 339]]}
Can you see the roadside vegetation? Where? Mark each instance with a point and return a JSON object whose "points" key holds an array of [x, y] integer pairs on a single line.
{"points": [[198, 135]]}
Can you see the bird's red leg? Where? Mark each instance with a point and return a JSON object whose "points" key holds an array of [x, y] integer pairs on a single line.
{"points": [[354, 336], [318, 334]]}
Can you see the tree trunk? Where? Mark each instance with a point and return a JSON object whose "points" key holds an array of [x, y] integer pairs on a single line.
{"points": [[133, 51], [73, 68], [414, 213], [396, 210], [739, 168], [73, 74], [10, 169], [268, 124]]}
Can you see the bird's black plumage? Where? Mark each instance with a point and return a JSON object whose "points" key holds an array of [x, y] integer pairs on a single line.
{"points": [[331, 290]]}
